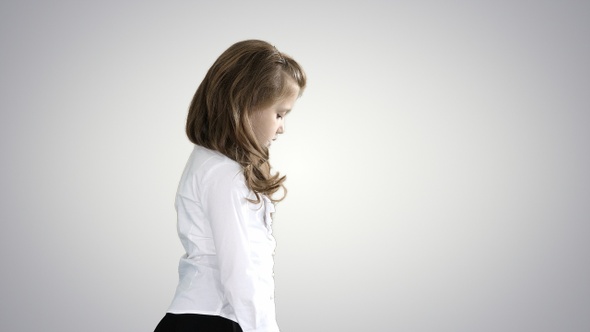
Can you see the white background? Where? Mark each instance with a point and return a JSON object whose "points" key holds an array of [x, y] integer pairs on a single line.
{"points": [[437, 163]]}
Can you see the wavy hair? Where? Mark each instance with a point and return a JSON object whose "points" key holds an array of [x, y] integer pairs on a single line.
{"points": [[249, 76]]}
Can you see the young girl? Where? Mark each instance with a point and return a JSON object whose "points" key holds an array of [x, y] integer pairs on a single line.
{"points": [[226, 193]]}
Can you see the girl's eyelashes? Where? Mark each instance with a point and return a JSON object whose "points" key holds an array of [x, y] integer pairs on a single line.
{"points": [[282, 114]]}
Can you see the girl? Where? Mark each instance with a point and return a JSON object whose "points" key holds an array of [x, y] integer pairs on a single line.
{"points": [[226, 193]]}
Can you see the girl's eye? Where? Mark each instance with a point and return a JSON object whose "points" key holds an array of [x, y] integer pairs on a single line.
{"points": [[279, 116]]}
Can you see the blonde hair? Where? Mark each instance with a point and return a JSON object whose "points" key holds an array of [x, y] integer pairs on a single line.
{"points": [[247, 77]]}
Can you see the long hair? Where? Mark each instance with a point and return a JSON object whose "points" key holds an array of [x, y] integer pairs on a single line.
{"points": [[249, 76]]}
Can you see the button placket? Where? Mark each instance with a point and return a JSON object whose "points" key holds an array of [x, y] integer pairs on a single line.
{"points": [[268, 209]]}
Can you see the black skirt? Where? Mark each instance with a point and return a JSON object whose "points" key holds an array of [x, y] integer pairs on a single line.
{"points": [[196, 323]]}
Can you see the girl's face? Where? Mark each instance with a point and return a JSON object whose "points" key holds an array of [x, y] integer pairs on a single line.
{"points": [[270, 121]]}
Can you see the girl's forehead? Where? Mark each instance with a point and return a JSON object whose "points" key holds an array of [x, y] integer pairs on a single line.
{"points": [[286, 104]]}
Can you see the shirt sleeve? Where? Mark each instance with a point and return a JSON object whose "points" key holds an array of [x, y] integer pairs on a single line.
{"points": [[232, 217]]}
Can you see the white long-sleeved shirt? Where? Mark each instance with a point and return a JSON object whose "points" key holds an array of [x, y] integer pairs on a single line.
{"points": [[227, 269]]}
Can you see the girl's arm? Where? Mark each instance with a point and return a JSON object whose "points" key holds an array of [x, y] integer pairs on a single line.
{"points": [[233, 223]]}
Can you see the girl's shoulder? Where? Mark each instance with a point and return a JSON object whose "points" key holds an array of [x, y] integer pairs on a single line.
{"points": [[207, 155], [211, 165], [208, 170]]}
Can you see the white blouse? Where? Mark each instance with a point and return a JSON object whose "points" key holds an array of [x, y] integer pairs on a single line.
{"points": [[227, 269]]}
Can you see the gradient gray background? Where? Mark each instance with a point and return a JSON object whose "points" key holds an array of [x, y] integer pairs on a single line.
{"points": [[437, 163]]}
